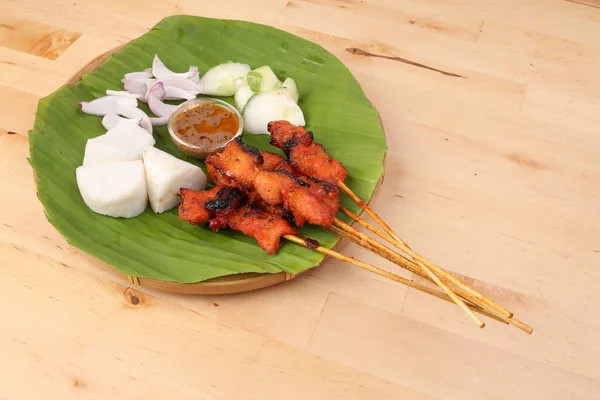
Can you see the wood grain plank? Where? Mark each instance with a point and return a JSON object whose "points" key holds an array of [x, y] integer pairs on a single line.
{"points": [[17, 112], [286, 313], [15, 65], [558, 18], [35, 38], [409, 14], [567, 331], [590, 3], [262, 11], [76, 16], [509, 37], [53, 75], [97, 343], [562, 109], [557, 64], [419, 45], [415, 355], [342, 278]]}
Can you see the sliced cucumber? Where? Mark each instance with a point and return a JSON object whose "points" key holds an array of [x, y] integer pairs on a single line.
{"points": [[262, 79], [274, 105], [224, 79], [291, 86], [242, 96]]}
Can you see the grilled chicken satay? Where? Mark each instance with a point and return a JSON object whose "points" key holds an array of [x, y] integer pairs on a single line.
{"points": [[239, 163], [308, 199], [209, 206], [245, 164], [228, 200], [263, 226], [308, 157], [323, 213], [304, 198], [192, 207], [275, 162], [236, 165], [257, 202], [222, 207]]}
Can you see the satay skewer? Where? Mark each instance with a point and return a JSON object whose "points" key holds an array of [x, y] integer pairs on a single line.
{"points": [[387, 274], [416, 257], [414, 268], [422, 261], [429, 273], [239, 165], [312, 160]]}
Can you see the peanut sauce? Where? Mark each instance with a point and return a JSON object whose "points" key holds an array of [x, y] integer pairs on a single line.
{"points": [[206, 125]]}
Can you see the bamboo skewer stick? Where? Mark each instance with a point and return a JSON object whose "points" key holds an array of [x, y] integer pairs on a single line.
{"points": [[394, 257], [389, 275], [396, 241], [366, 207], [438, 282], [409, 265], [364, 223]]}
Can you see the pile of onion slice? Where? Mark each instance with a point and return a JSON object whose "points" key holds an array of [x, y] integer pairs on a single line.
{"points": [[152, 86]]}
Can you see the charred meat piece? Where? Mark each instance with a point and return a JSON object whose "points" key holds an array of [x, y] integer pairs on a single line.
{"points": [[237, 162], [307, 157], [219, 178], [275, 162], [257, 202], [326, 191], [313, 160], [192, 207], [285, 135], [270, 160], [270, 185], [306, 206], [199, 206], [304, 198], [227, 200], [266, 228]]}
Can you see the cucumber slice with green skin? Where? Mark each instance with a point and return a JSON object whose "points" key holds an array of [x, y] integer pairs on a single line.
{"points": [[262, 79], [224, 79], [291, 86], [274, 105], [242, 96]]}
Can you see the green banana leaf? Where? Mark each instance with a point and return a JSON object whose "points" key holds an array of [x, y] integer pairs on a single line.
{"points": [[161, 246]]}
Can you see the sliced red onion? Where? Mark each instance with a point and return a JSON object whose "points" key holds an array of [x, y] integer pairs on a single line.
{"points": [[159, 108], [145, 74], [124, 93], [160, 71], [184, 84], [159, 121], [110, 120], [195, 74], [138, 86], [157, 90], [132, 112], [103, 105], [175, 93]]}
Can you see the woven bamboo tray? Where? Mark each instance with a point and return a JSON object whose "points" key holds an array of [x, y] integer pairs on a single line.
{"points": [[222, 285]]}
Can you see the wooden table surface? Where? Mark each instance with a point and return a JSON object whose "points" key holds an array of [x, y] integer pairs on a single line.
{"points": [[494, 175]]}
